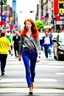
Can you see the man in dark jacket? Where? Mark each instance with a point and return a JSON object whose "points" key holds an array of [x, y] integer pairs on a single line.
{"points": [[16, 40]]}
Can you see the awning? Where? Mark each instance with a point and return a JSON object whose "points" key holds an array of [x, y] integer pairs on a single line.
{"points": [[48, 26]]}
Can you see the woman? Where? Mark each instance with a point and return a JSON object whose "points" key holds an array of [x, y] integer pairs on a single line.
{"points": [[29, 46]]}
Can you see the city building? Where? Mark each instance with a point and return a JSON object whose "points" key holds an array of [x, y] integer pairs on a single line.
{"points": [[14, 9], [59, 15], [53, 12], [15, 17], [47, 10]]}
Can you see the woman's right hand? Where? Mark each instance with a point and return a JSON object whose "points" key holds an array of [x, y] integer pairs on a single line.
{"points": [[38, 59], [19, 58]]}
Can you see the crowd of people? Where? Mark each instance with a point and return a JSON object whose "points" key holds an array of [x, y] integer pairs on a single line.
{"points": [[7, 44]]}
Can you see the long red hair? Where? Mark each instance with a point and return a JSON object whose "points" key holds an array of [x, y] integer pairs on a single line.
{"points": [[33, 28]]}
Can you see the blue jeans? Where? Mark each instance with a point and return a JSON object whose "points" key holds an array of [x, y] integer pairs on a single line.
{"points": [[49, 50], [29, 58]]}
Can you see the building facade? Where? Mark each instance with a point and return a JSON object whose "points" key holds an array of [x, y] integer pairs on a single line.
{"points": [[47, 10], [15, 15], [53, 12]]}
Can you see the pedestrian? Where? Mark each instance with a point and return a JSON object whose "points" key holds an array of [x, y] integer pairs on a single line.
{"points": [[16, 41], [8, 36], [47, 43], [4, 46], [29, 48]]}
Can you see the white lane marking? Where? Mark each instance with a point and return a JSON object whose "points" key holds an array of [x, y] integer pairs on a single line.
{"points": [[26, 90], [23, 80], [46, 66], [60, 73]]}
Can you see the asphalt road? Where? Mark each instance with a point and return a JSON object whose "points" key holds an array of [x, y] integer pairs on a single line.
{"points": [[49, 80]]}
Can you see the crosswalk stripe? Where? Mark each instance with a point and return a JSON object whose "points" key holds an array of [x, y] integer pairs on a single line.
{"points": [[23, 80], [45, 66], [60, 73], [25, 90]]}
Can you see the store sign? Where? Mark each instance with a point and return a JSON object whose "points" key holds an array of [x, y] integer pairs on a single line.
{"points": [[61, 6], [56, 11], [61, 11], [4, 17], [61, 1]]}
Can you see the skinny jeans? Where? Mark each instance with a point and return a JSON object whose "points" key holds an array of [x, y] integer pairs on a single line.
{"points": [[29, 59]]}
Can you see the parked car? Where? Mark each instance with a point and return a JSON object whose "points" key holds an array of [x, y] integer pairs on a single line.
{"points": [[59, 46]]}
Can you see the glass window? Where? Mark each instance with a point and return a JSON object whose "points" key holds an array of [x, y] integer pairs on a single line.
{"points": [[61, 38], [61, 5]]}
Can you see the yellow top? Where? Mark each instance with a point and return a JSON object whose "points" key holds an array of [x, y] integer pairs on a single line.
{"points": [[4, 45]]}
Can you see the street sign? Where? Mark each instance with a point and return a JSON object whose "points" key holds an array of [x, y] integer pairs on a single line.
{"points": [[4, 17]]}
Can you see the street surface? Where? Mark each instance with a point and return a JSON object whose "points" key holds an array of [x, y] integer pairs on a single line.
{"points": [[49, 80]]}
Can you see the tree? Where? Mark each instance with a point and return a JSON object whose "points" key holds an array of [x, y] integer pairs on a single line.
{"points": [[39, 24], [5, 2]]}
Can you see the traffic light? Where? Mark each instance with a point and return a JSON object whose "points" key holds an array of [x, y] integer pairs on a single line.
{"points": [[5, 2]]}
